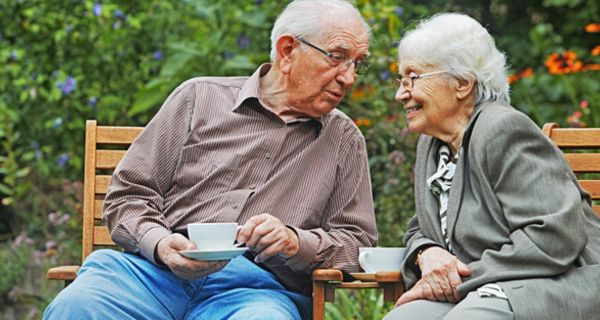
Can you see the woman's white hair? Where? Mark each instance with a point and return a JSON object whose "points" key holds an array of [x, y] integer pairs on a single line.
{"points": [[457, 42], [310, 18]]}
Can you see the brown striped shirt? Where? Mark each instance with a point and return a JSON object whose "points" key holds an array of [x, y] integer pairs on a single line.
{"points": [[213, 153]]}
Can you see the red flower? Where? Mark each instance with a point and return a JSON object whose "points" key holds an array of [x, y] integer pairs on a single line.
{"points": [[564, 63]]}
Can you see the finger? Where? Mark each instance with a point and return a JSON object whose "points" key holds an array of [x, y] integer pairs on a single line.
{"points": [[463, 269], [407, 297], [271, 250], [263, 234], [178, 242], [246, 231]]}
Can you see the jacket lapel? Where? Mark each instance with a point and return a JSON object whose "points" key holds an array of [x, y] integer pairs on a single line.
{"points": [[458, 182]]}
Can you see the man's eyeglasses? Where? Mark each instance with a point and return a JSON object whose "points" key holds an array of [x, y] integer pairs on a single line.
{"points": [[408, 82], [336, 59]]}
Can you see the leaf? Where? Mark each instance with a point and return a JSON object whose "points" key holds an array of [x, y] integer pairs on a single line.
{"points": [[147, 98], [239, 62]]}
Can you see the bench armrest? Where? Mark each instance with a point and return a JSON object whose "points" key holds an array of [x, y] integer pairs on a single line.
{"points": [[62, 273]]}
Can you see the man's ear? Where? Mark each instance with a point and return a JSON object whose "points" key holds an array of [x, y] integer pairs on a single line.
{"points": [[284, 47], [464, 87]]}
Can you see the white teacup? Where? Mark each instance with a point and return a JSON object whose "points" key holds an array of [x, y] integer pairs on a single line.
{"points": [[212, 236], [375, 259]]}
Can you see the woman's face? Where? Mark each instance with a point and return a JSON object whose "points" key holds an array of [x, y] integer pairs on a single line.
{"points": [[431, 104]]}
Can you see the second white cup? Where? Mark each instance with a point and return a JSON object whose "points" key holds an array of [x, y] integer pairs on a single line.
{"points": [[375, 259]]}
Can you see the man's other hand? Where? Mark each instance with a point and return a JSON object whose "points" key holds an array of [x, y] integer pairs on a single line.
{"points": [[268, 236]]}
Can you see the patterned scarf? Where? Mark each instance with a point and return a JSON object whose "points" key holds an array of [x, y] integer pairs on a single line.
{"points": [[440, 183]]}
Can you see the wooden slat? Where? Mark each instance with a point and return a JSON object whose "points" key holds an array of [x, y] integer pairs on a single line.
{"points": [[62, 273], [87, 244], [102, 236], [597, 210], [117, 135], [356, 285], [584, 162], [591, 186], [98, 209], [102, 183], [576, 138], [108, 159]]}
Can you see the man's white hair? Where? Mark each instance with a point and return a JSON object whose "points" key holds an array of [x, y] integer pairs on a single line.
{"points": [[457, 42], [310, 18]]}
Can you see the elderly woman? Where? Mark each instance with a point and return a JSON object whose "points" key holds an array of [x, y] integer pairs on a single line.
{"points": [[502, 229]]}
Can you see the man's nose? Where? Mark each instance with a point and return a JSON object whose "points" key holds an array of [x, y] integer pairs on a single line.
{"points": [[347, 77]]}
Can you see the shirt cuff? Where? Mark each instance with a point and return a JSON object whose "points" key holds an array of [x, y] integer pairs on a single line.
{"points": [[150, 240], [307, 250]]}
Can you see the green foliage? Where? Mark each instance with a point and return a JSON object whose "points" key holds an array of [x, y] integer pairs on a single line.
{"points": [[64, 61], [358, 304], [14, 262]]}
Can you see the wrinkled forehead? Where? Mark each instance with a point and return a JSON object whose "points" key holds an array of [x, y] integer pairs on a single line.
{"points": [[346, 35]]}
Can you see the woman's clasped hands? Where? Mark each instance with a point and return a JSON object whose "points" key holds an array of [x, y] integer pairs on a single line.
{"points": [[441, 274]]}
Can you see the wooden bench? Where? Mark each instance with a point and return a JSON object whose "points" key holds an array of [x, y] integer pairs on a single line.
{"points": [[583, 155], [105, 146]]}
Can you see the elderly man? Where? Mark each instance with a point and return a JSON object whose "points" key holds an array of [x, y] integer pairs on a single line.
{"points": [[269, 152]]}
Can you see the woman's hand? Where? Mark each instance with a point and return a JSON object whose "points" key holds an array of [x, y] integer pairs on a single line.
{"points": [[441, 273]]}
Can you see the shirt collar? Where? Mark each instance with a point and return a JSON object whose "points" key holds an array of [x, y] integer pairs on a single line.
{"points": [[251, 90]]}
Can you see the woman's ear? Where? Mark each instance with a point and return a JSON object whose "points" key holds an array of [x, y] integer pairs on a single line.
{"points": [[464, 87], [284, 47]]}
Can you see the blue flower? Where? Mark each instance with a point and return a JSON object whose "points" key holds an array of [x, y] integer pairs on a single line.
{"points": [[243, 41], [97, 9], [57, 122], [399, 11], [35, 145], [117, 24], [92, 101], [157, 55], [62, 160], [119, 14], [228, 54], [68, 86], [385, 74], [259, 2], [69, 28]]}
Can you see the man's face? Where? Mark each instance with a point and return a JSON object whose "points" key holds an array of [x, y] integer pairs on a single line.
{"points": [[317, 83]]}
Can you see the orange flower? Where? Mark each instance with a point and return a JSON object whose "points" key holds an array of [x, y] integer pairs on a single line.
{"points": [[513, 78], [527, 73], [592, 66], [592, 28], [564, 63], [363, 122], [518, 76], [394, 67], [596, 50]]}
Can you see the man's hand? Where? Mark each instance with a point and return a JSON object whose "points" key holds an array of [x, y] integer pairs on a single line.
{"points": [[441, 273], [267, 236], [184, 268]]}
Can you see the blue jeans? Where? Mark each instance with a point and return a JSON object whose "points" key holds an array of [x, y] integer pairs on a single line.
{"points": [[116, 285]]}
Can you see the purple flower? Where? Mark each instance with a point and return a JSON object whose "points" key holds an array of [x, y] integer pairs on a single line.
{"points": [[51, 244], [57, 122], [399, 11], [157, 55], [92, 101], [385, 74], [243, 41], [62, 160], [97, 9], [35, 145], [119, 14], [397, 157], [68, 86], [53, 217]]}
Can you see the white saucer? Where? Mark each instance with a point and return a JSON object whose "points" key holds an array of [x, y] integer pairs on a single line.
{"points": [[209, 255]]}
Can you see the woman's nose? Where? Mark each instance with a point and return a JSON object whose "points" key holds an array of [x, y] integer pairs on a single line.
{"points": [[402, 94]]}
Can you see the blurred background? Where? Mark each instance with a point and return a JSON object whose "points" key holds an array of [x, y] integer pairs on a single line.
{"points": [[65, 61]]}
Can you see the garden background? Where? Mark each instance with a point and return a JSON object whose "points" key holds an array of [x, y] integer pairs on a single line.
{"points": [[65, 61]]}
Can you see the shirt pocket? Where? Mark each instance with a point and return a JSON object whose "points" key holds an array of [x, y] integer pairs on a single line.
{"points": [[209, 172]]}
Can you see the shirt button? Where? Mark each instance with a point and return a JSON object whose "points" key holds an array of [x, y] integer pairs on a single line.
{"points": [[267, 155], [235, 206], [252, 186]]}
